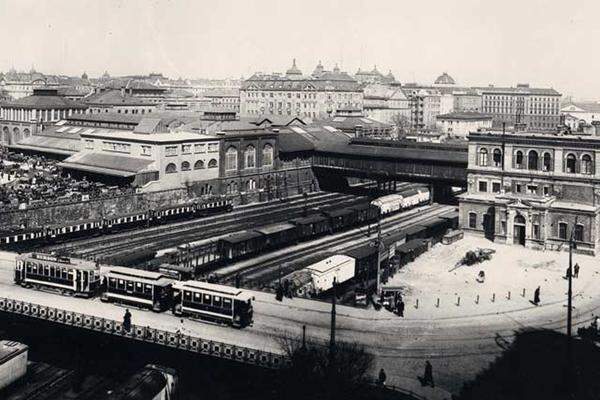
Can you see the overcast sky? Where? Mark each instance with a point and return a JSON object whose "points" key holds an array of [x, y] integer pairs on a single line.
{"points": [[547, 43]]}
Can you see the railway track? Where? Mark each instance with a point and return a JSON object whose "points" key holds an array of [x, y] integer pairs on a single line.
{"points": [[158, 238], [94, 244], [267, 268]]}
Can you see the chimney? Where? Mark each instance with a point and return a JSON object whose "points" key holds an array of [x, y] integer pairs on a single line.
{"points": [[358, 131]]}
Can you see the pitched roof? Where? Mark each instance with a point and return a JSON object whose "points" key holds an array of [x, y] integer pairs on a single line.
{"points": [[587, 106], [50, 141], [107, 164], [44, 102], [116, 98]]}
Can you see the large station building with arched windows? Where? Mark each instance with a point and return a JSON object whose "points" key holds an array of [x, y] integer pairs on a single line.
{"points": [[534, 189]]}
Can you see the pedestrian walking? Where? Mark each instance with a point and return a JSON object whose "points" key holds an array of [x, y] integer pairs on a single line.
{"points": [[568, 273], [382, 377], [536, 296], [576, 271], [428, 376], [127, 320]]}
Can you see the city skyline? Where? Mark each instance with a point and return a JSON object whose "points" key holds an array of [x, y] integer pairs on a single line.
{"points": [[475, 44]]}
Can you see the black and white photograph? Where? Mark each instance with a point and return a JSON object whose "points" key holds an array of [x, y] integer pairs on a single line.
{"points": [[299, 200]]}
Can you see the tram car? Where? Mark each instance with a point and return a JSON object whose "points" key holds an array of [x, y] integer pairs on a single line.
{"points": [[137, 288], [211, 302], [20, 238], [61, 274]]}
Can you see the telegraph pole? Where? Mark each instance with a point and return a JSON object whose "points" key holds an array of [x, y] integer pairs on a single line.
{"points": [[332, 329], [570, 366], [379, 249]]}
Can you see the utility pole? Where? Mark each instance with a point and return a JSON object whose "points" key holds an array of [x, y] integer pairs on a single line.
{"points": [[332, 329], [379, 250], [570, 366]]}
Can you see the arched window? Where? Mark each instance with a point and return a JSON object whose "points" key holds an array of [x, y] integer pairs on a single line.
{"points": [[571, 165], [483, 157], [532, 160], [212, 163], [578, 233], [230, 159], [519, 159], [547, 162], [267, 155], [199, 164], [586, 164], [250, 185], [250, 157], [185, 166], [171, 168], [497, 157], [26, 132]]}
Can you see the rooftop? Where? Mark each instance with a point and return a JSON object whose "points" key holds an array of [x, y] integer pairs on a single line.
{"points": [[45, 99], [467, 115], [108, 164], [115, 97]]}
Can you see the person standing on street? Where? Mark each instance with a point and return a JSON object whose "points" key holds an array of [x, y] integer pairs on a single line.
{"points": [[382, 377], [576, 271], [127, 320], [536, 296]]}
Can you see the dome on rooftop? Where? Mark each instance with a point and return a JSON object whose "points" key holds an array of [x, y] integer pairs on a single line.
{"points": [[444, 79]]}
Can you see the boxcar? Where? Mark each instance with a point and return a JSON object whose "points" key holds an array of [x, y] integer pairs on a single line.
{"points": [[278, 235], [365, 213], [65, 275], [341, 218], [415, 232], [240, 244], [211, 302], [312, 226], [142, 289]]}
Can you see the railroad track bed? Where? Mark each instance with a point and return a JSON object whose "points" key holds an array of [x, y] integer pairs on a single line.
{"points": [[261, 272]]}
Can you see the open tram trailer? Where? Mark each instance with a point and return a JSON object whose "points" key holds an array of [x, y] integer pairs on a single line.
{"points": [[138, 288], [211, 302], [62, 274]]}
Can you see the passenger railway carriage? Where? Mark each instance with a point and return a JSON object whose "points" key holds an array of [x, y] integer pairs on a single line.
{"points": [[216, 303], [139, 288], [64, 275]]}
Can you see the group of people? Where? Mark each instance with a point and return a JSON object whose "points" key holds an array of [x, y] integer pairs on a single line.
{"points": [[425, 380], [28, 179]]}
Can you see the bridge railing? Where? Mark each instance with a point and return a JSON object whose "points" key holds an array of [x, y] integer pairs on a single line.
{"points": [[147, 334]]}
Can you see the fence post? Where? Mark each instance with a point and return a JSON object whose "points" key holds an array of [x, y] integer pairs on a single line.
{"points": [[508, 297], [477, 300], [437, 304], [417, 304], [458, 302], [523, 292]]}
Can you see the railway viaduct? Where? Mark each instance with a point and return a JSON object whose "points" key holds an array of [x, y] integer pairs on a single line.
{"points": [[440, 165]]}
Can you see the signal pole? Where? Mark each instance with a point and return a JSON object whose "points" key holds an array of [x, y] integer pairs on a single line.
{"points": [[332, 329]]}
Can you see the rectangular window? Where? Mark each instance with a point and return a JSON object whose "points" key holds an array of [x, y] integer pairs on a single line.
{"points": [[578, 234], [472, 220], [89, 144], [518, 188], [213, 147], [562, 230], [546, 190], [532, 189], [146, 150], [536, 231], [483, 186], [200, 148], [170, 151], [117, 147], [496, 187], [186, 149]]}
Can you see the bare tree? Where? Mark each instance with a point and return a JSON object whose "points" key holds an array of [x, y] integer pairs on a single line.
{"points": [[402, 124], [324, 374]]}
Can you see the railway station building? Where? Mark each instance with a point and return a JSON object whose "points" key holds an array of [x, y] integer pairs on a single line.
{"points": [[533, 189]]}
